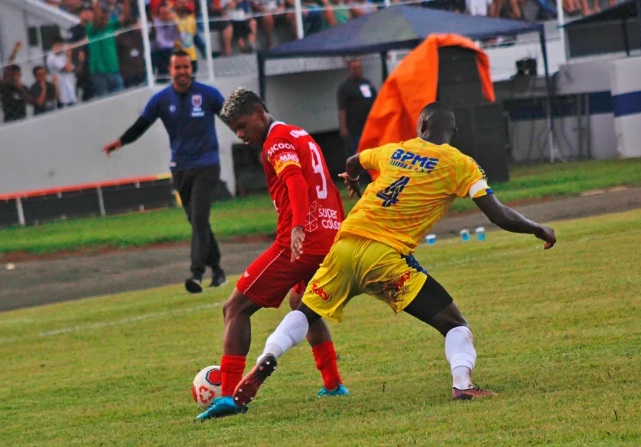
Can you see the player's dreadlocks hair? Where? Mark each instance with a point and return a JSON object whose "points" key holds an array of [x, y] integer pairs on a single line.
{"points": [[241, 102]]}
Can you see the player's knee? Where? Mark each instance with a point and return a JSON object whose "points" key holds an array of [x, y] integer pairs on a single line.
{"points": [[295, 300], [238, 304]]}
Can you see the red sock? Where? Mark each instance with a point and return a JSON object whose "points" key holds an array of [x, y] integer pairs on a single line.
{"points": [[232, 368], [325, 357]]}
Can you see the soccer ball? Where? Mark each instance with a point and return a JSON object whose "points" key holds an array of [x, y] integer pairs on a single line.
{"points": [[207, 385]]}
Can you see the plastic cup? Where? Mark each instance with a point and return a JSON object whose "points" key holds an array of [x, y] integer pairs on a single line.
{"points": [[430, 239], [480, 234], [465, 235]]}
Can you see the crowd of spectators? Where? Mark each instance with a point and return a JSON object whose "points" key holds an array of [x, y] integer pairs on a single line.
{"points": [[103, 53]]}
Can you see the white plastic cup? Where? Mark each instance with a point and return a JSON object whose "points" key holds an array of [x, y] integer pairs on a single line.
{"points": [[465, 234], [430, 239], [480, 234]]}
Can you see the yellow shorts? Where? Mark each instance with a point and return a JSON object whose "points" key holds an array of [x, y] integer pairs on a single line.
{"points": [[357, 265]]}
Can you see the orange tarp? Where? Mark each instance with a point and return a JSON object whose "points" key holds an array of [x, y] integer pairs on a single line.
{"points": [[411, 86]]}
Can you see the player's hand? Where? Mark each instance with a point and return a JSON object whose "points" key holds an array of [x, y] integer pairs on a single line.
{"points": [[352, 184], [546, 234], [298, 237], [113, 146]]}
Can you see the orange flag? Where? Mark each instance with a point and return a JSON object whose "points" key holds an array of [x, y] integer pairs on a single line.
{"points": [[411, 86]]}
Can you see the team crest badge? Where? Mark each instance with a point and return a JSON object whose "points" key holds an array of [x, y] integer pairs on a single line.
{"points": [[197, 104]]}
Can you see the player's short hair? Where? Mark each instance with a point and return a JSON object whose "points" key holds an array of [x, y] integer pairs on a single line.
{"points": [[438, 115], [242, 101], [180, 53]]}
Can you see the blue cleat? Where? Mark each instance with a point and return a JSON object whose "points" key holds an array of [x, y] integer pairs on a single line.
{"points": [[340, 390], [221, 407]]}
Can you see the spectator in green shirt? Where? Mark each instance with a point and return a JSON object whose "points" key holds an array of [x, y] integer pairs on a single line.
{"points": [[103, 56]]}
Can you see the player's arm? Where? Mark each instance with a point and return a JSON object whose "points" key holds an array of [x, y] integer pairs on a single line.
{"points": [[132, 134], [353, 168], [283, 157], [299, 201], [471, 181], [144, 122], [507, 219]]}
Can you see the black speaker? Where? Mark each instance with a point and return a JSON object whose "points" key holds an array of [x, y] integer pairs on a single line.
{"points": [[248, 169], [459, 82], [334, 151], [482, 134]]}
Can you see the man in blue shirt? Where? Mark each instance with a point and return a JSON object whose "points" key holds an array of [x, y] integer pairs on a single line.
{"points": [[187, 110]]}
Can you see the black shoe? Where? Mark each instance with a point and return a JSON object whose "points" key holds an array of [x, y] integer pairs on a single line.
{"points": [[194, 285], [218, 278]]}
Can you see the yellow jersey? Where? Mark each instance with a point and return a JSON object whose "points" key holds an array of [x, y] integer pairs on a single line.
{"points": [[418, 182], [187, 28]]}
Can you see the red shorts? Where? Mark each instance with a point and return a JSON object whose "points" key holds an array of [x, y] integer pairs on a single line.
{"points": [[271, 276]]}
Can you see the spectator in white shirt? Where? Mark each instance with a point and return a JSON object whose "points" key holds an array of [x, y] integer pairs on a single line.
{"points": [[60, 64]]}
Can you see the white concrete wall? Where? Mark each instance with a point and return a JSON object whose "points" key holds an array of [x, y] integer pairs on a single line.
{"points": [[64, 148], [625, 77]]}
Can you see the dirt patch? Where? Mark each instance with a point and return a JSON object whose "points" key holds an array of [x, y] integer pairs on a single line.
{"points": [[74, 275]]}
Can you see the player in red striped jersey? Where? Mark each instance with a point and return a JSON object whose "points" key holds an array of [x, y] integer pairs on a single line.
{"points": [[310, 212]]}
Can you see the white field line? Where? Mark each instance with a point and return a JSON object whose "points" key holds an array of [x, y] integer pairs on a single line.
{"points": [[121, 322]]}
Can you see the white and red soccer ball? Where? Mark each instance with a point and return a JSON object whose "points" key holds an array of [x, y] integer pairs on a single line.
{"points": [[207, 385]]}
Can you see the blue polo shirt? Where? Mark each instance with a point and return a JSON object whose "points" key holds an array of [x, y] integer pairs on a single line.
{"points": [[189, 120]]}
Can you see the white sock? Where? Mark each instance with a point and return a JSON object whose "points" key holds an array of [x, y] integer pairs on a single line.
{"points": [[460, 352], [290, 332]]}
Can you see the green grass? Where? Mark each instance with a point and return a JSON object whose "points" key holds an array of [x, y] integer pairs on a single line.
{"points": [[557, 333], [236, 218]]}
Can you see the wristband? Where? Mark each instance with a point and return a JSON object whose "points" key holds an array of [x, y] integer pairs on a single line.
{"points": [[353, 179]]}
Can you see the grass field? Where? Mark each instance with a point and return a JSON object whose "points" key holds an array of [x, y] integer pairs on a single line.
{"points": [[255, 215], [557, 333]]}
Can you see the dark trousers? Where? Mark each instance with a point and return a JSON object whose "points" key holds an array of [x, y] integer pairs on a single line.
{"points": [[196, 190]]}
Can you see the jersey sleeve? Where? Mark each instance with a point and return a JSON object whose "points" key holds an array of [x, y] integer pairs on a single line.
{"points": [[152, 109], [217, 99], [282, 155], [373, 158], [470, 179]]}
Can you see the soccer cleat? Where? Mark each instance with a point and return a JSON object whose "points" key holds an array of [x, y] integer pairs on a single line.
{"points": [[340, 390], [218, 278], [471, 393], [248, 387], [194, 285], [221, 407]]}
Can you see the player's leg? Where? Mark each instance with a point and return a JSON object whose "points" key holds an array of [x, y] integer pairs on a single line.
{"points": [[291, 331], [434, 306], [237, 312], [315, 304], [204, 246], [183, 183], [265, 283], [320, 339], [209, 182]]}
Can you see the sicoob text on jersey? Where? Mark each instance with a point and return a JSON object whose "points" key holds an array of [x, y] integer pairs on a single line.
{"points": [[409, 160]]}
